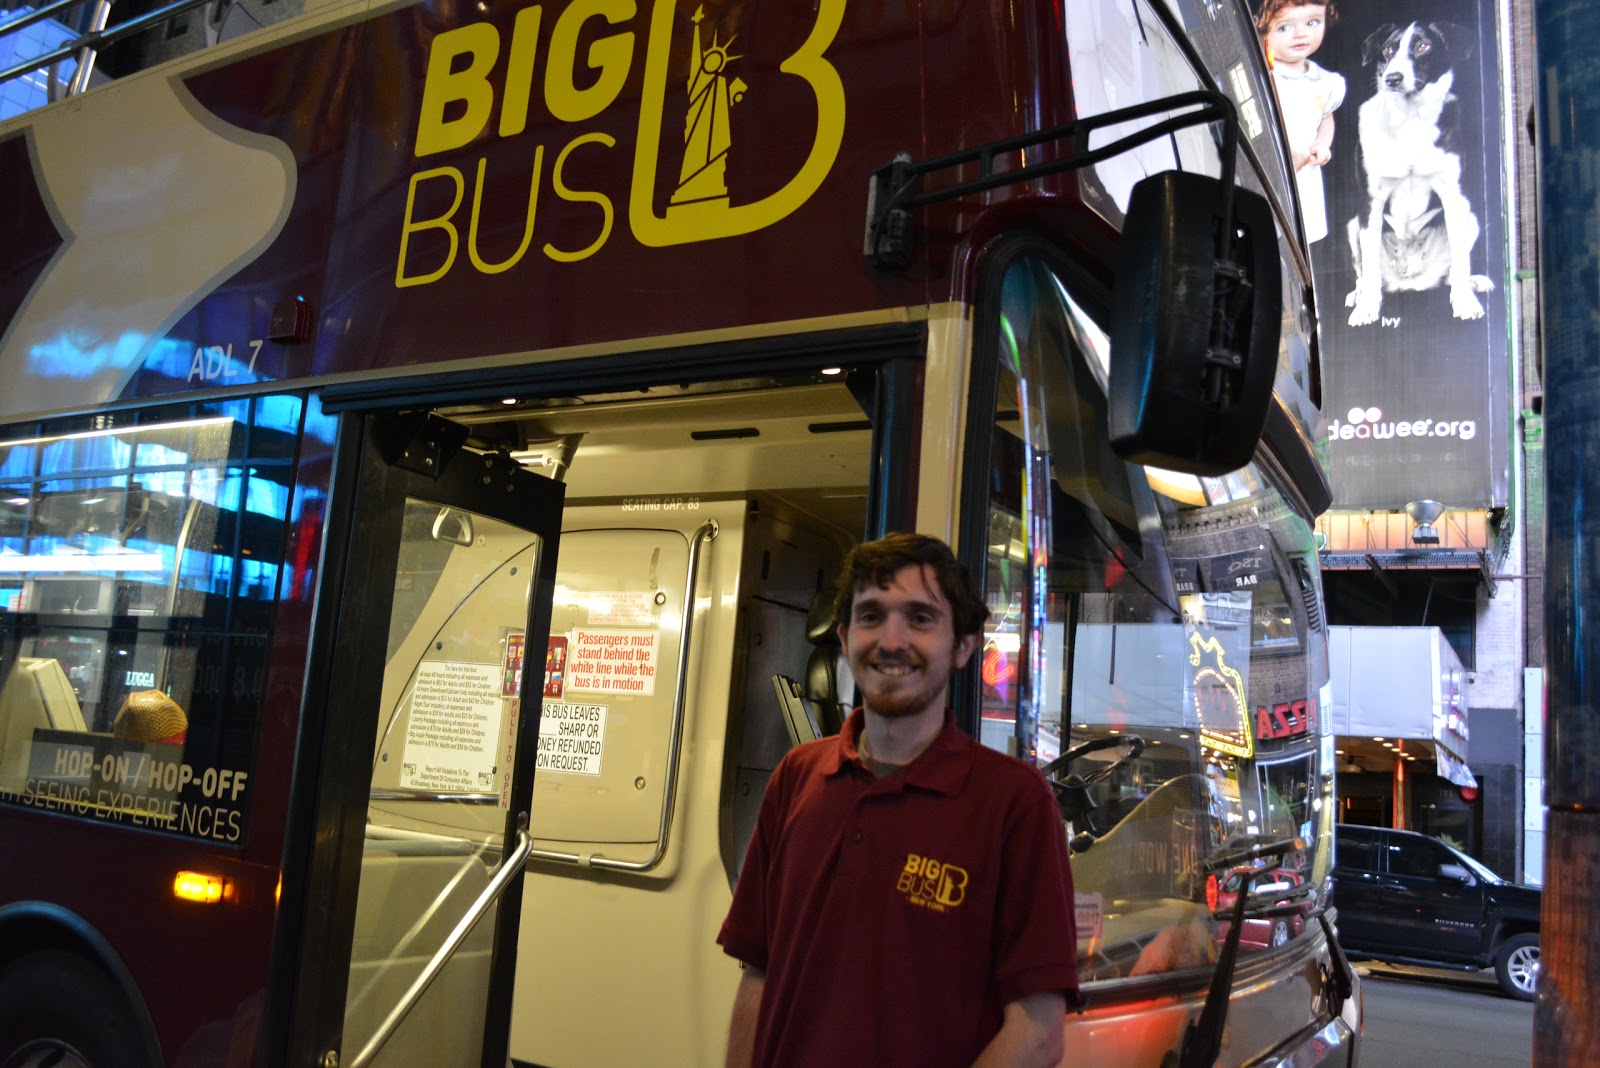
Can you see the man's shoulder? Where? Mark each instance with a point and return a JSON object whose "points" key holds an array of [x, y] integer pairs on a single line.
{"points": [[993, 766], [818, 755]]}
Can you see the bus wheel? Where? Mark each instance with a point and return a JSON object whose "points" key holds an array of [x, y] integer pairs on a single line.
{"points": [[1516, 966], [57, 1010]]}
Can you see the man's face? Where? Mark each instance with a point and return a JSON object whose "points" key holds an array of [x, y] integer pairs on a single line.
{"points": [[901, 643]]}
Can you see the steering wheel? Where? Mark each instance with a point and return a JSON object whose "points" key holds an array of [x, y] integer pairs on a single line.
{"points": [[1134, 743], [1072, 792]]}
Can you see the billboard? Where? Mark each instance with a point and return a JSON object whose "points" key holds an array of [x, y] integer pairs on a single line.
{"points": [[1405, 211]]}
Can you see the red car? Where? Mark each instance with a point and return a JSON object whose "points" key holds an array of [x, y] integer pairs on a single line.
{"points": [[1262, 932]]}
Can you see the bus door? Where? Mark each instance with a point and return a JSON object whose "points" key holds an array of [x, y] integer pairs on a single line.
{"points": [[439, 653]]}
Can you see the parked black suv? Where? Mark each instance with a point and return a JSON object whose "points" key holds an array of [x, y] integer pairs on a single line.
{"points": [[1409, 899]]}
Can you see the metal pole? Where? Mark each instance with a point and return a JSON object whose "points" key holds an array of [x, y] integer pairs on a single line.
{"points": [[1567, 1015], [86, 55]]}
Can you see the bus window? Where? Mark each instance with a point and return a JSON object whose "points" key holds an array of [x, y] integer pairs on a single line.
{"points": [[1121, 52], [139, 562]]}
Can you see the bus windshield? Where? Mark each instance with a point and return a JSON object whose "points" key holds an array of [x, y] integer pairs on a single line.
{"points": [[1155, 646]]}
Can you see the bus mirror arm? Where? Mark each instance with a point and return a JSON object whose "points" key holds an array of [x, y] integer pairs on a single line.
{"points": [[894, 191], [1198, 302]]}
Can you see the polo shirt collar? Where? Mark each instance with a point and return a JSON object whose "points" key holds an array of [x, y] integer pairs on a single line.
{"points": [[942, 768]]}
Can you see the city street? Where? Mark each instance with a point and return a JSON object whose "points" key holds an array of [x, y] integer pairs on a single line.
{"points": [[1429, 1016]]}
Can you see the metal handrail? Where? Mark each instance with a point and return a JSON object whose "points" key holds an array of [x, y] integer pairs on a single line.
{"points": [[705, 533], [510, 867], [90, 41], [433, 795], [38, 15]]}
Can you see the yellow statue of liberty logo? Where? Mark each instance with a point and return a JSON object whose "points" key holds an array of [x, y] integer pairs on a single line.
{"points": [[706, 134], [699, 208]]}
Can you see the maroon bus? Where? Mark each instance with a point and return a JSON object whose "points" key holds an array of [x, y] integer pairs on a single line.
{"points": [[357, 353]]}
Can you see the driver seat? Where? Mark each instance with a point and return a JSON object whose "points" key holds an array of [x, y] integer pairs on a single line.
{"points": [[821, 688]]}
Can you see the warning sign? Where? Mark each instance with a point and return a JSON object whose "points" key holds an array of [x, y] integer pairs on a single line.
{"points": [[613, 661], [453, 729], [571, 737]]}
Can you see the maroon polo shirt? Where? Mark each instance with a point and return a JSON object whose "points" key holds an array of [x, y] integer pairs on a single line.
{"points": [[895, 918]]}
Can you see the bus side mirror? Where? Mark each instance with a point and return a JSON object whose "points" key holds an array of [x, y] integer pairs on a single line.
{"points": [[1194, 346]]}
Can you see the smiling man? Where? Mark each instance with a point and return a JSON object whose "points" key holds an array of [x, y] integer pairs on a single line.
{"points": [[905, 899]]}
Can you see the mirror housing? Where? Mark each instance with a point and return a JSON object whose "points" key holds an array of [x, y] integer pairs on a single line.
{"points": [[1457, 873], [1194, 345]]}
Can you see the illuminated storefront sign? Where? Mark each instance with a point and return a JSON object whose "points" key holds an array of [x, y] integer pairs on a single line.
{"points": [[1219, 698]]}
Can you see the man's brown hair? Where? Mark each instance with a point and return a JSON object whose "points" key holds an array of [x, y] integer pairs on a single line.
{"points": [[875, 563]]}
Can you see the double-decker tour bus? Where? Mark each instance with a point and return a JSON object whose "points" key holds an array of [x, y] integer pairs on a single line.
{"points": [[355, 359]]}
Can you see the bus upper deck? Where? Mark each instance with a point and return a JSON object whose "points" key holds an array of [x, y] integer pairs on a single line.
{"points": [[360, 361]]}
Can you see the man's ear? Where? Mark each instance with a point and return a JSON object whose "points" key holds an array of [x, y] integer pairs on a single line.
{"points": [[841, 631], [965, 646]]}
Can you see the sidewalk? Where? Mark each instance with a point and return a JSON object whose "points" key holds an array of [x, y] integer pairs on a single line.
{"points": [[1482, 980]]}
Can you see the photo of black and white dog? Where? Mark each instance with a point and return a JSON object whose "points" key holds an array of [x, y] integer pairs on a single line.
{"points": [[1417, 228]]}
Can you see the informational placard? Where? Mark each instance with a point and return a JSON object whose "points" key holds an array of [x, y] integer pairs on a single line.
{"points": [[572, 737], [622, 608], [613, 661], [451, 734], [1090, 912]]}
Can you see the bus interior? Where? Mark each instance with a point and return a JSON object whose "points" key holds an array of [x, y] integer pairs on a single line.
{"points": [[702, 527]]}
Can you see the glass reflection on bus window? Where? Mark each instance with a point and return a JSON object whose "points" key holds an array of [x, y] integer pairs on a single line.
{"points": [[140, 562]]}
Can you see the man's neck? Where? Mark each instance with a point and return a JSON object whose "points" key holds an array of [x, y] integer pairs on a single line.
{"points": [[900, 739]]}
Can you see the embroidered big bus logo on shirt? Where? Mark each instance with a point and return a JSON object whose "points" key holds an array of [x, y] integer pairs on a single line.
{"points": [[932, 884]]}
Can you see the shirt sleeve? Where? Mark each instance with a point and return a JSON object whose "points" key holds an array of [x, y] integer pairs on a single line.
{"points": [[1037, 943], [1335, 92], [744, 931]]}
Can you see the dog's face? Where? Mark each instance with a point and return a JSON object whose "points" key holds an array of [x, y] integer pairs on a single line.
{"points": [[1414, 55]]}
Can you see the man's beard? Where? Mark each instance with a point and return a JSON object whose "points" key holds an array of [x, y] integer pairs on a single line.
{"points": [[909, 695]]}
